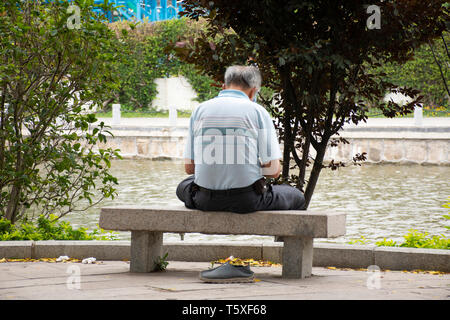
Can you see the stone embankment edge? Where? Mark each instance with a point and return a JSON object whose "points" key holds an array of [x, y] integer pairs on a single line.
{"points": [[325, 254]]}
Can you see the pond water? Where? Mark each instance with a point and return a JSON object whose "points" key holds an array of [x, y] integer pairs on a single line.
{"points": [[381, 201]]}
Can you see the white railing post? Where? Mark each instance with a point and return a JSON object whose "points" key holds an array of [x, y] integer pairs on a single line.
{"points": [[116, 113], [418, 115], [172, 116]]}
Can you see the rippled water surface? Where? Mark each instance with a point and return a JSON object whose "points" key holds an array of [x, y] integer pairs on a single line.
{"points": [[381, 201]]}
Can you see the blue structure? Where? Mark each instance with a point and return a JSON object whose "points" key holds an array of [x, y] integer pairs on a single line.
{"points": [[144, 10]]}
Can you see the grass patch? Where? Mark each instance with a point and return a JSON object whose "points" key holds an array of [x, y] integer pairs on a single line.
{"points": [[49, 229], [428, 112]]}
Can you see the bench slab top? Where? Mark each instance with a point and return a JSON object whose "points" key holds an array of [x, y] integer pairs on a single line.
{"points": [[178, 218]]}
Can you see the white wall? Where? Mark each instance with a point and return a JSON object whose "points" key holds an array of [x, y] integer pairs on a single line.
{"points": [[174, 92]]}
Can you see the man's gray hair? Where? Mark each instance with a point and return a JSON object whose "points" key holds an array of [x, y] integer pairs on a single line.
{"points": [[246, 77]]}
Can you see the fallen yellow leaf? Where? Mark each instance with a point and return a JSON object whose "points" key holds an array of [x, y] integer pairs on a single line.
{"points": [[244, 262]]}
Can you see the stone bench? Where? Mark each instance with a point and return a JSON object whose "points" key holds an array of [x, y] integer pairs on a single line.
{"points": [[296, 229]]}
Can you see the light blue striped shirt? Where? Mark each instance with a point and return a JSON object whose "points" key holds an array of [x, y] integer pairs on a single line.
{"points": [[229, 137]]}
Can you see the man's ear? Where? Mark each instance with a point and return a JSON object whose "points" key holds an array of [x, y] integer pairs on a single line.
{"points": [[253, 92], [223, 86]]}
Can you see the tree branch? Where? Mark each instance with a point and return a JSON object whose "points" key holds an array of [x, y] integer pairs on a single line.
{"points": [[440, 68], [445, 45]]}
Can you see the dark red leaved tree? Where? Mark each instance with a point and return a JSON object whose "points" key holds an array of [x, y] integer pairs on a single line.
{"points": [[316, 57]]}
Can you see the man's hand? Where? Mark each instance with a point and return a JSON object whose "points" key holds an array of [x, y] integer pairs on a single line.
{"points": [[271, 169], [189, 166]]}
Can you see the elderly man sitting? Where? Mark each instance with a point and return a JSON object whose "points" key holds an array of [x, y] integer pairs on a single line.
{"points": [[231, 146]]}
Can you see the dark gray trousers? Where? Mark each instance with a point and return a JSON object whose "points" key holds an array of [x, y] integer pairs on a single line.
{"points": [[277, 197]]}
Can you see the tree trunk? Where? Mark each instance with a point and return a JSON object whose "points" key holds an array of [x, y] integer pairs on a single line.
{"points": [[305, 152], [286, 147], [2, 132], [14, 197], [13, 204], [288, 104], [304, 161], [440, 67], [315, 172]]}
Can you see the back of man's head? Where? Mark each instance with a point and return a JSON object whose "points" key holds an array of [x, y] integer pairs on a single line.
{"points": [[246, 77]]}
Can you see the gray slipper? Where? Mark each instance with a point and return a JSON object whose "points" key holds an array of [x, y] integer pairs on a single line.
{"points": [[227, 273]]}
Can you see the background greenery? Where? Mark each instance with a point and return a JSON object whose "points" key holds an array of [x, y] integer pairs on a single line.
{"points": [[146, 47], [422, 72], [149, 55]]}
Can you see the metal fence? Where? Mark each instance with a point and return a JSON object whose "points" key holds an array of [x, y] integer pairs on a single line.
{"points": [[143, 10]]}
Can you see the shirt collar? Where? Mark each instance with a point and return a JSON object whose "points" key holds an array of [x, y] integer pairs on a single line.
{"points": [[233, 94]]}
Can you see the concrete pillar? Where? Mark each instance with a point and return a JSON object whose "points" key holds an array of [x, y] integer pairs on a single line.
{"points": [[116, 113], [172, 116], [146, 247], [138, 11], [418, 115], [163, 15], [297, 257]]}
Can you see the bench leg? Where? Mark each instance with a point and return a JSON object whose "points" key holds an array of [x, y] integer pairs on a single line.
{"points": [[145, 248], [278, 239], [297, 257]]}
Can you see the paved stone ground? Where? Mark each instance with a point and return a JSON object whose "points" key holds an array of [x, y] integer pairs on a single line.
{"points": [[112, 280]]}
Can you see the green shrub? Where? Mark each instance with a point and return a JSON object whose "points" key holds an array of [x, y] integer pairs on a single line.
{"points": [[362, 240], [417, 239], [49, 229], [146, 48], [386, 243], [447, 216], [161, 263]]}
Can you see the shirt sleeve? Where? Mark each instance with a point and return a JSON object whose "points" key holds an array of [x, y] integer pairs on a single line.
{"points": [[268, 146], [189, 146]]}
